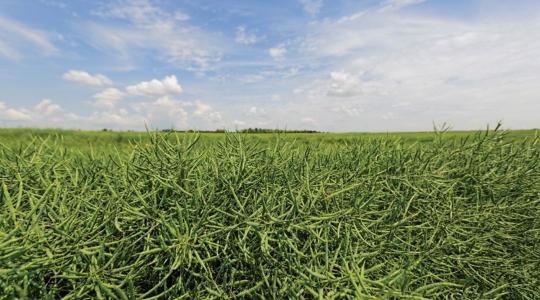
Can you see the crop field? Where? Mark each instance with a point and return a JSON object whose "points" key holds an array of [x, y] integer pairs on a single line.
{"points": [[110, 215]]}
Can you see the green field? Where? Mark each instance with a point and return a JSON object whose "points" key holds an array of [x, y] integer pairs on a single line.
{"points": [[107, 141], [127, 215]]}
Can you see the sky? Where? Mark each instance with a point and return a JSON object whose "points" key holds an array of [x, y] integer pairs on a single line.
{"points": [[328, 65]]}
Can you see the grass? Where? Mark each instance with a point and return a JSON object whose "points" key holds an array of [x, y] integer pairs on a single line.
{"points": [[413, 216]]}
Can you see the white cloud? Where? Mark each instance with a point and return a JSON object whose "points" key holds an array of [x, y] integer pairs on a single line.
{"points": [[214, 117], [11, 114], [155, 87], [343, 84], [45, 112], [243, 37], [239, 123], [252, 110], [256, 111], [378, 69], [202, 109], [16, 38], [397, 4], [163, 111], [120, 118], [108, 98], [312, 7], [278, 52], [206, 112], [412, 69], [86, 78], [350, 111], [47, 107]]}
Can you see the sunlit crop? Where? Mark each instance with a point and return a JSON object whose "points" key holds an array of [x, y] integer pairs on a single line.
{"points": [[243, 217]]}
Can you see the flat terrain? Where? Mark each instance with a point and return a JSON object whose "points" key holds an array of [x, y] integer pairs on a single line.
{"points": [[378, 215], [102, 141]]}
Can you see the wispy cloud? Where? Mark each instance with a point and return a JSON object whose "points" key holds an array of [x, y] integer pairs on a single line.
{"points": [[156, 33], [16, 38], [244, 37], [398, 4], [385, 65], [252, 78], [444, 69], [8, 51], [312, 7]]}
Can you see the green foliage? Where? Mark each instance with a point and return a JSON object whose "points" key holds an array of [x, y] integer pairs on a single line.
{"points": [[159, 215]]}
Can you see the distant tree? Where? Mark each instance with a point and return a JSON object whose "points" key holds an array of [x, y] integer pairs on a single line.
{"points": [[246, 130], [265, 130]]}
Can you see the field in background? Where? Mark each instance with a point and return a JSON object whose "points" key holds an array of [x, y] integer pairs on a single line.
{"points": [[152, 215], [103, 141]]}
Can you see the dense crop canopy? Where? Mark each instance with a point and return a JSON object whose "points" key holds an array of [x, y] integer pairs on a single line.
{"points": [[367, 218]]}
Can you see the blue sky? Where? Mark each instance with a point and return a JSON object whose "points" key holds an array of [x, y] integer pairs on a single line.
{"points": [[340, 65]]}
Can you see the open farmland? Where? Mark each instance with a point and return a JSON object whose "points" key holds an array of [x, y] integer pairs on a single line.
{"points": [[451, 215]]}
